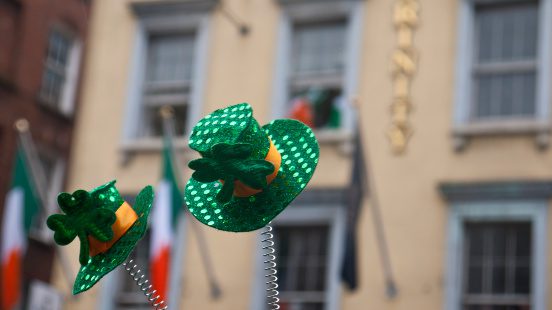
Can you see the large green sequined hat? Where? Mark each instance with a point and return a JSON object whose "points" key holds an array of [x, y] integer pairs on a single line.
{"points": [[108, 229], [247, 174]]}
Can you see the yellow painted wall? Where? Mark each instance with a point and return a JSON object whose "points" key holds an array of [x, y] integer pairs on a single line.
{"points": [[241, 69], [414, 213]]}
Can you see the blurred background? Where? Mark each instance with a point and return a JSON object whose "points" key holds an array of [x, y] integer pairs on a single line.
{"points": [[433, 118]]}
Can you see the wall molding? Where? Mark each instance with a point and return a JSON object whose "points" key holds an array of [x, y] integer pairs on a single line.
{"points": [[509, 190], [171, 7]]}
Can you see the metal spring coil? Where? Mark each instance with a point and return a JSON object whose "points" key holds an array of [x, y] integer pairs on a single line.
{"points": [[271, 271], [146, 288]]}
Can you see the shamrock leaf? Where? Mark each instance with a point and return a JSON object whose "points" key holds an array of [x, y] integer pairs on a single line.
{"points": [[61, 225], [258, 169], [230, 162], [207, 170], [83, 217]]}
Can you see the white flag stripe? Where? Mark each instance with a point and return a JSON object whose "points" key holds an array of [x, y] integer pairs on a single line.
{"points": [[161, 233], [13, 234]]}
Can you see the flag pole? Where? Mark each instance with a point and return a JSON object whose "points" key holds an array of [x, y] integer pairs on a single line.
{"points": [[167, 115], [391, 290], [24, 136]]}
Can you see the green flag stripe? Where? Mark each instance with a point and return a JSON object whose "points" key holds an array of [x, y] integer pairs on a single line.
{"points": [[169, 175], [22, 178]]}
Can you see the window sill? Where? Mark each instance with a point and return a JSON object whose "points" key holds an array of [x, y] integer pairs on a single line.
{"points": [[540, 129], [131, 148], [332, 135], [152, 145], [503, 127], [343, 138], [156, 144], [53, 108]]}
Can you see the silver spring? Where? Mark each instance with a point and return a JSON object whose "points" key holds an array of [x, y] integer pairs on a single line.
{"points": [[143, 283], [271, 271]]}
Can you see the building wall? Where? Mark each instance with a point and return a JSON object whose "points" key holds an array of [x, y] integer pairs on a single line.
{"points": [[413, 210], [241, 69], [24, 28]]}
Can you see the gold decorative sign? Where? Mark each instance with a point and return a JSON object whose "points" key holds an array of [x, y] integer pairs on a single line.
{"points": [[403, 67]]}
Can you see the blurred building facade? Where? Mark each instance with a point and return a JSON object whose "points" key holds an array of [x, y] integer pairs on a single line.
{"points": [[40, 59], [460, 165]]}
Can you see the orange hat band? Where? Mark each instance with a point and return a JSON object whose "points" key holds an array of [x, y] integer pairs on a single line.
{"points": [[273, 156], [126, 217]]}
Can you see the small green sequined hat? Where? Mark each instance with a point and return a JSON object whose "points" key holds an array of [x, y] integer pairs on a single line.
{"points": [[92, 217], [236, 153]]}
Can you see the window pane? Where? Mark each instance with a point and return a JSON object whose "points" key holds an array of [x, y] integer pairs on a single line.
{"points": [[155, 121], [169, 71], [476, 245], [496, 307], [523, 242], [319, 47], [302, 265], [499, 237], [48, 165], [301, 306], [317, 108], [58, 49], [499, 95], [316, 79], [494, 275], [128, 294], [52, 83], [170, 57], [506, 34], [522, 280], [498, 279], [475, 279], [507, 31], [55, 66]]}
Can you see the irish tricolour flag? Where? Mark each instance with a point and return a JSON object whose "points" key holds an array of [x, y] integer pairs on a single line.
{"points": [[21, 204], [166, 208]]}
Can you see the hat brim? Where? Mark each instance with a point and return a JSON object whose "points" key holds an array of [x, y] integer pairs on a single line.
{"points": [[101, 264], [299, 149]]}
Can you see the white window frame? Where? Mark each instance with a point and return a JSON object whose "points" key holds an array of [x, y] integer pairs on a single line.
{"points": [[66, 104], [306, 11], [535, 212], [158, 18], [334, 215], [463, 124]]}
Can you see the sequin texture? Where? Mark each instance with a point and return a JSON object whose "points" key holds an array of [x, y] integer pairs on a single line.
{"points": [[294, 141], [101, 264]]}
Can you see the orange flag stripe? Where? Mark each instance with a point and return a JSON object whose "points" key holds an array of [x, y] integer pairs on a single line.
{"points": [[160, 271], [11, 280]]}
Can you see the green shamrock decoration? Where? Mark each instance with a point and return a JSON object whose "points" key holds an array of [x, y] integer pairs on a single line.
{"points": [[83, 217], [230, 162], [219, 139]]}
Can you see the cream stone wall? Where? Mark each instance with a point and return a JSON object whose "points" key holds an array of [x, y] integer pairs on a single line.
{"points": [[414, 213], [241, 69]]}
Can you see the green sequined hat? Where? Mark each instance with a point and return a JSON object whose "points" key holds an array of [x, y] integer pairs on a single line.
{"points": [[237, 185], [108, 229]]}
